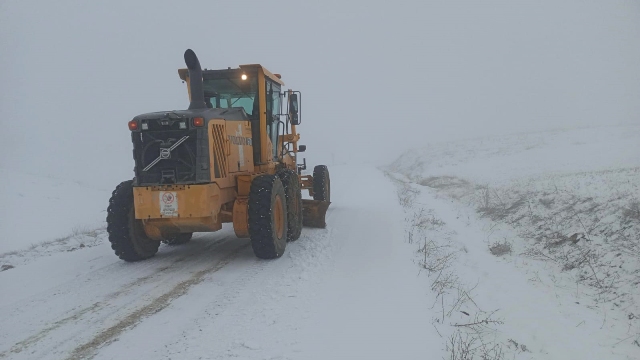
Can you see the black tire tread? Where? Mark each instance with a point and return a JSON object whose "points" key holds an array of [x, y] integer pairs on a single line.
{"points": [[261, 230], [119, 220], [320, 178], [293, 192]]}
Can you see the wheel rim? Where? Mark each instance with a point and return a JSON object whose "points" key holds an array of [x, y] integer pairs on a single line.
{"points": [[279, 217]]}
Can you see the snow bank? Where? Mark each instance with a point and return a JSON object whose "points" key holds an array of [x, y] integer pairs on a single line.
{"points": [[563, 207], [38, 208]]}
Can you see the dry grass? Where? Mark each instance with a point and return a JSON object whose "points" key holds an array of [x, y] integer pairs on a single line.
{"points": [[500, 248], [588, 224], [473, 340], [631, 214], [437, 256]]}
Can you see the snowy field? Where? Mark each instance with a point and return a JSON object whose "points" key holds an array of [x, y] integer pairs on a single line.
{"points": [[537, 237], [38, 208], [515, 247]]}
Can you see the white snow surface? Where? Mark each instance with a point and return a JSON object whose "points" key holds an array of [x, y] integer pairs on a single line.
{"points": [[501, 159], [403, 270], [37, 208], [566, 206], [347, 291]]}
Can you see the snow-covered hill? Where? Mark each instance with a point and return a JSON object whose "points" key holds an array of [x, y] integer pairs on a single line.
{"points": [[501, 159], [559, 211]]}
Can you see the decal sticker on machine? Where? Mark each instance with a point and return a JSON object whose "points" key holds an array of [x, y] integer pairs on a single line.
{"points": [[240, 147], [240, 140], [168, 204]]}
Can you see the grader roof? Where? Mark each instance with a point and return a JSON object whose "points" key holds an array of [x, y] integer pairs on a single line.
{"points": [[184, 73]]}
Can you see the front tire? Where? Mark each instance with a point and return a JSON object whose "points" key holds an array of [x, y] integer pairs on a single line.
{"points": [[126, 234], [267, 217], [293, 193]]}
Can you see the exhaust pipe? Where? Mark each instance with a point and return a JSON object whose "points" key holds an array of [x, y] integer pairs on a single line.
{"points": [[196, 86]]}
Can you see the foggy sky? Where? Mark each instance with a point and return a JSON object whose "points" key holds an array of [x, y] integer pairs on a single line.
{"points": [[377, 77]]}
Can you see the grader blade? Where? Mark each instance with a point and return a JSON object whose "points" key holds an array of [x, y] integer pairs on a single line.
{"points": [[313, 213]]}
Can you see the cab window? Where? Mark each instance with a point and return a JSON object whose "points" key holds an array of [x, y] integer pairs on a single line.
{"points": [[227, 89], [273, 112]]}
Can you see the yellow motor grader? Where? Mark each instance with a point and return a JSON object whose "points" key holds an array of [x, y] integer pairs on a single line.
{"points": [[231, 157]]}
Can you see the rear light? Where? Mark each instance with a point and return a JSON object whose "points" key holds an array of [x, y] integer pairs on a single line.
{"points": [[145, 126], [183, 125], [133, 125], [198, 122]]}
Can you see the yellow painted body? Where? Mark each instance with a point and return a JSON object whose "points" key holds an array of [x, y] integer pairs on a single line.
{"points": [[205, 207], [198, 209], [199, 206]]}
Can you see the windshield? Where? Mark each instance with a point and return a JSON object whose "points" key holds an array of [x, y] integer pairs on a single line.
{"points": [[227, 89]]}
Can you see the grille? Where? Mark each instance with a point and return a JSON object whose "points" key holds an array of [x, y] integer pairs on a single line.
{"points": [[178, 160], [219, 155]]}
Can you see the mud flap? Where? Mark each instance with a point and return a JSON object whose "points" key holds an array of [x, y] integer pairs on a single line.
{"points": [[313, 213]]}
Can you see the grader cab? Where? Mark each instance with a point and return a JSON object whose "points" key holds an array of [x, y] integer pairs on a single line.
{"points": [[231, 157]]}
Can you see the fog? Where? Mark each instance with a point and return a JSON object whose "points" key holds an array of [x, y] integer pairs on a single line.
{"points": [[377, 77]]}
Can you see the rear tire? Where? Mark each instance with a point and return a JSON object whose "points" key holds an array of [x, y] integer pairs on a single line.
{"points": [[267, 217], [178, 239], [321, 183], [293, 192], [126, 234]]}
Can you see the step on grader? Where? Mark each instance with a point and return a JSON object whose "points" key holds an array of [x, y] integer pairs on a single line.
{"points": [[231, 157]]}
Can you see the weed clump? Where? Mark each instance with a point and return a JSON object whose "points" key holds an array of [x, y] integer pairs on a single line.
{"points": [[500, 248]]}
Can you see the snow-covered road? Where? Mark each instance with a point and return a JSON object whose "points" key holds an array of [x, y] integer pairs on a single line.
{"points": [[348, 291]]}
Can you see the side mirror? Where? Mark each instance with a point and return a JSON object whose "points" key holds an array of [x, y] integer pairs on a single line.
{"points": [[294, 109], [302, 166], [302, 148]]}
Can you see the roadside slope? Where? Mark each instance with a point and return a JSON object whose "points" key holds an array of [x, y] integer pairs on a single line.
{"points": [[562, 209]]}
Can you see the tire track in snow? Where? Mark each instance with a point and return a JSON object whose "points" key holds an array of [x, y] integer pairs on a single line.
{"points": [[88, 349], [33, 339], [108, 299]]}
